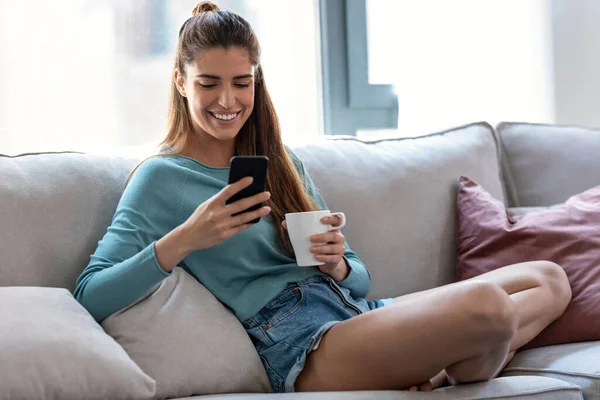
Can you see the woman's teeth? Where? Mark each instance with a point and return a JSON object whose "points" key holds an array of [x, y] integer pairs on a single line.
{"points": [[225, 117]]}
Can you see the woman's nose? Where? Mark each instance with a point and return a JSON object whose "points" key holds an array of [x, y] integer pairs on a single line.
{"points": [[226, 98]]}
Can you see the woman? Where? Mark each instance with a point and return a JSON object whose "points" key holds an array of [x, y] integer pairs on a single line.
{"points": [[311, 326]]}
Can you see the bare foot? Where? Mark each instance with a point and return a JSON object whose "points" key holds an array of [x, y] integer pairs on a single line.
{"points": [[441, 379], [437, 381]]}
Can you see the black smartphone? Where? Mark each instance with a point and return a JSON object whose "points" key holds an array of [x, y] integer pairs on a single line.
{"points": [[243, 166]]}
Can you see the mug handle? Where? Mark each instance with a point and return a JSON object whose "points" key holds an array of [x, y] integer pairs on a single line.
{"points": [[340, 226]]}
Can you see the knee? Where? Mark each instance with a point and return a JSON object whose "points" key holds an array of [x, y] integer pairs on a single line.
{"points": [[491, 310], [553, 276]]}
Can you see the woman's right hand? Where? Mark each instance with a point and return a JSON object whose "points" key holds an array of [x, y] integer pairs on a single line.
{"points": [[213, 221]]}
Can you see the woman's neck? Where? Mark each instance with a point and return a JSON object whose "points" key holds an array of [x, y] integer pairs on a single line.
{"points": [[210, 151]]}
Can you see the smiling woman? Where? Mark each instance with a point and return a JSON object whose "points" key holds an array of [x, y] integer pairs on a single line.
{"points": [[310, 324], [218, 56]]}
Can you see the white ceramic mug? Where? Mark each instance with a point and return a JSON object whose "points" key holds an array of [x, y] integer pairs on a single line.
{"points": [[301, 226]]}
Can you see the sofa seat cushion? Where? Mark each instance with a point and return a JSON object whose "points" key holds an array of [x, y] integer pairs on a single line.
{"points": [[514, 388], [399, 196], [51, 348], [577, 363]]}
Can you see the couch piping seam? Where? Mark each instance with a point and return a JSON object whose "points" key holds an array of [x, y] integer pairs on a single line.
{"points": [[41, 153], [513, 196], [500, 165], [531, 392], [399, 139], [523, 369], [513, 123]]}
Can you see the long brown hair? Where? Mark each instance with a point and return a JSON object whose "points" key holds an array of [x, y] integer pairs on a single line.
{"points": [[208, 28]]}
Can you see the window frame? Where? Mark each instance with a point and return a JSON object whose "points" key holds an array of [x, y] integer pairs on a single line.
{"points": [[350, 102]]}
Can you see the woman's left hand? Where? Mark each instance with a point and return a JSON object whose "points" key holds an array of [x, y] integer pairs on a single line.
{"points": [[329, 248]]}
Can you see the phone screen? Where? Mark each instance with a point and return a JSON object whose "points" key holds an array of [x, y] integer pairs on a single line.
{"points": [[243, 166]]}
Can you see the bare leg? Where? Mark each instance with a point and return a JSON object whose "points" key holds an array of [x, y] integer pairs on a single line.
{"points": [[467, 327], [541, 293]]}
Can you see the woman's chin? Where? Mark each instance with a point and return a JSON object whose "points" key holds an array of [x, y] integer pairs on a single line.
{"points": [[225, 134]]}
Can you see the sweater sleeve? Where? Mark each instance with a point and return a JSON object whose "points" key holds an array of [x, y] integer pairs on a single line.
{"points": [[124, 266], [358, 280]]}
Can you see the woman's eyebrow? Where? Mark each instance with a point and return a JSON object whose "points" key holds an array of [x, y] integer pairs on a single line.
{"points": [[246, 76], [208, 76]]}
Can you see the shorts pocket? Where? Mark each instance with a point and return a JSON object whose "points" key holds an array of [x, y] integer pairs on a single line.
{"points": [[282, 307]]}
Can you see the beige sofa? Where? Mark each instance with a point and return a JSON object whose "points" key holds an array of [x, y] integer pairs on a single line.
{"points": [[178, 341]]}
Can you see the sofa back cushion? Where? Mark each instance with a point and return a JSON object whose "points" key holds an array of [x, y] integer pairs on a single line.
{"points": [[399, 196], [546, 164], [54, 208]]}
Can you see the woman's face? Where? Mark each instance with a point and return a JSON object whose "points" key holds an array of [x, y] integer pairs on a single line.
{"points": [[219, 88]]}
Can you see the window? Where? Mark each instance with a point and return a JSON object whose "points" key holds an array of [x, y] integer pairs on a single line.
{"points": [[350, 101], [93, 75], [413, 67], [456, 62]]}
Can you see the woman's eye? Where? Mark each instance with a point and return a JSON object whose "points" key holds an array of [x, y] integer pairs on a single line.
{"points": [[242, 85], [208, 86]]}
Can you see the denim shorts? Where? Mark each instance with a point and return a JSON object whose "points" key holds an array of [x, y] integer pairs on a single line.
{"points": [[292, 325]]}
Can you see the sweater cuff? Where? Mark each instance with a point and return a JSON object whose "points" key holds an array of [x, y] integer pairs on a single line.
{"points": [[156, 263], [353, 278]]}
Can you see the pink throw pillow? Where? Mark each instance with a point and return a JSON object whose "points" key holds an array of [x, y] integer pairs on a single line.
{"points": [[569, 235]]}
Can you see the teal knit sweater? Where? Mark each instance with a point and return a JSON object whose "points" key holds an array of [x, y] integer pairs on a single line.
{"points": [[244, 272]]}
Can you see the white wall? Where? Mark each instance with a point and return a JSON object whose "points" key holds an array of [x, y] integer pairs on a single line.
{"points": [[576, 48], [56, 88], [77, 74]]}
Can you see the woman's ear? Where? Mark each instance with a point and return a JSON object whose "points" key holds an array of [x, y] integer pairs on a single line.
{"points": [[179, 82]]}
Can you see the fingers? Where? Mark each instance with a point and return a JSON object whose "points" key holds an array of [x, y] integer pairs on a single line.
{"points": [[248, 202], [332, 251], [233, 188], [333, 220], [329, 253], [328, 237], [284, 225], [328, 249], [246, 217]]}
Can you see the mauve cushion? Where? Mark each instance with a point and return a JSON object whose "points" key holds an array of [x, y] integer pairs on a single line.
{"points": [[569, 235]]}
